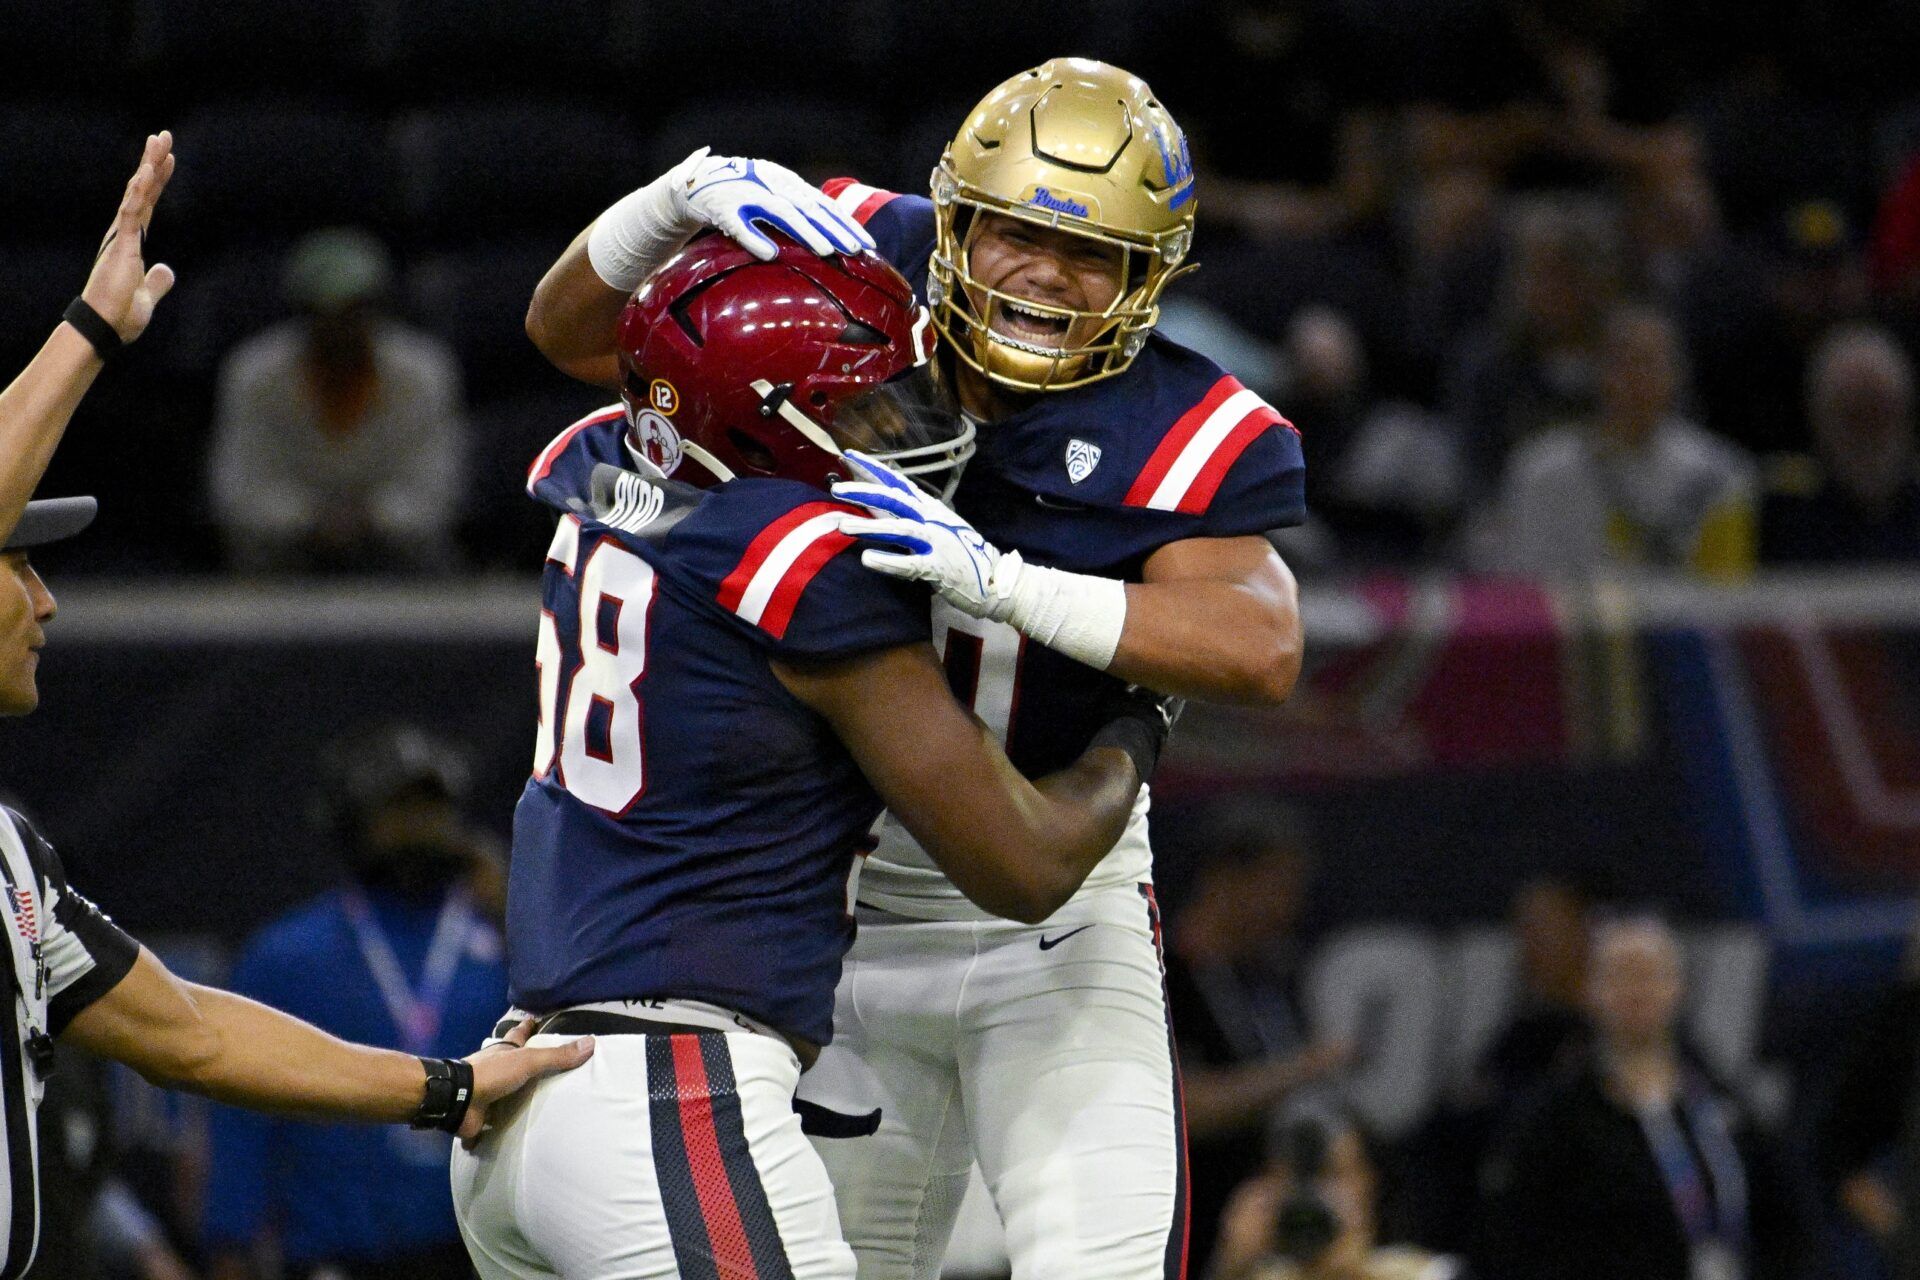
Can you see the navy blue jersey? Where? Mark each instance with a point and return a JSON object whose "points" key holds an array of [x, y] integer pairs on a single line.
{"points": [[1095, 479], [689, 828]]}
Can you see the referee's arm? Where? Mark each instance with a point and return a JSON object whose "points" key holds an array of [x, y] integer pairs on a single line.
{"points": [[111, 996], [122, 290], [227, 1047]]}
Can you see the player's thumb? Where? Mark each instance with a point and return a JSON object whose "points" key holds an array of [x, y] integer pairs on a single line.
{"points": [[748, 237], [159, 280]]}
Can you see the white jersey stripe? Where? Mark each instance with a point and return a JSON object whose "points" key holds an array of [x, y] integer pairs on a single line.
{"points": [[766, 579], [1212, 433], [852, 196]]}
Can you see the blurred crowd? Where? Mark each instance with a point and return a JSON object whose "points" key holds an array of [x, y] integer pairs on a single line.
{"points": [[1593, 1136], [1593, 286], [1553, 289], [1548, 288]]}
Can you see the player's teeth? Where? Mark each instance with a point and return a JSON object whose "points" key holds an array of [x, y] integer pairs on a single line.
{"points": [[1034, 317]]}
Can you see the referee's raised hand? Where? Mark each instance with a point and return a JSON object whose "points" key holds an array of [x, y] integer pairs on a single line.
{"points": [[110, 312], [122, 288]]}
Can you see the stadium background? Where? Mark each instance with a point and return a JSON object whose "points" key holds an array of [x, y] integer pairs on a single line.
{"points": [[1746, 757]]}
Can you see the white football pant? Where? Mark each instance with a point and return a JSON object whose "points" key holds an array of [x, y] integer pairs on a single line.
{"points": [[1052, 1065], [663, 1158]]}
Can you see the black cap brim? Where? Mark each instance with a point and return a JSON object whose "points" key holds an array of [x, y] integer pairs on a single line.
{"points": [[50, 520]]}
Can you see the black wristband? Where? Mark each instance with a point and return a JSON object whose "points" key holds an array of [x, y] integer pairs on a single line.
{"points": [[1133, 736], [449, 1093], [93, 327]]}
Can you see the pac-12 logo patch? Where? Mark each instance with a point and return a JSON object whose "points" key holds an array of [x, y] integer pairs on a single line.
{"points": [[1082, 458], [656, 439], [662, 396]]}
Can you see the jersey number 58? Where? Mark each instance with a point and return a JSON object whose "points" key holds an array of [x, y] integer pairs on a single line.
{"points": [[590, 712]]}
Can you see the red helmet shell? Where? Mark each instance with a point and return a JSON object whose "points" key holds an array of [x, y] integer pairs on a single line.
{"points": [[704, 328]]}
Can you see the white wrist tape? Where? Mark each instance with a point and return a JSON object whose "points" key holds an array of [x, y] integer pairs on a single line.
{"points": [[635, 237], [1075, 614]]}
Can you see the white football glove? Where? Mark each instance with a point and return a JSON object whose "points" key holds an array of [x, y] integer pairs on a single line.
{"points": [[736, 195], [740, 196], [925, 540]]}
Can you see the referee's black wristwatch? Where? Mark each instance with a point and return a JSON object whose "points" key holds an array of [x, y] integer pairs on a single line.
{"points": [[449, 1094]]}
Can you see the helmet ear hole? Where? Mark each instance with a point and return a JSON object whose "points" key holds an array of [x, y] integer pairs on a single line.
{"points": [[756, 456], [818, 399]]}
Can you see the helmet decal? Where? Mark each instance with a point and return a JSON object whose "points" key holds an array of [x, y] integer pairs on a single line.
{"points": [[656, 439], [1176, 165], [1041, 198]]}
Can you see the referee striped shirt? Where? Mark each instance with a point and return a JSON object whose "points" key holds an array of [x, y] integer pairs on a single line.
{"points": [[62, 953]]}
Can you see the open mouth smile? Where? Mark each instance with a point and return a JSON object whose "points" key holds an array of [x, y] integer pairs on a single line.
{"points": [[1030, 328]]}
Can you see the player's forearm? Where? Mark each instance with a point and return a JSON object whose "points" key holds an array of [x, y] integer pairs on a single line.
{"points": [[1211, 640], [574, 316], [1023, 848], [1085, 813], [34, 412]]}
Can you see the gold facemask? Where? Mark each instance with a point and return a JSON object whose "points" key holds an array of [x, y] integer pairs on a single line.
{"points": [[1086, 148]]}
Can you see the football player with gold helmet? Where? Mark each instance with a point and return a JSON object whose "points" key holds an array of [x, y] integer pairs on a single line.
{"points": [[1108, 529]]}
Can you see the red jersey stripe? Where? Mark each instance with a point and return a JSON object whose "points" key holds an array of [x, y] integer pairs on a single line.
{"points": [[844, 191], [1177, 439], [793, 583], [1207, 483], [732, 1254], [734, 586], [766, 586], [873, 204]]}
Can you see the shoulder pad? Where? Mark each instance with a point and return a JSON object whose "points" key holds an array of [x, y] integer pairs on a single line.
{"points": [[564, 469], [856, 199], [1186, 469], [901, 225], [773, 550], [766, 583]]}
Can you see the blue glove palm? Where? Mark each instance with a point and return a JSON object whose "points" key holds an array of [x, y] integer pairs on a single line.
{"points": [[924, 540]]}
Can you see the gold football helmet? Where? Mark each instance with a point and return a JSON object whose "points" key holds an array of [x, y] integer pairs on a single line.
{"points": [[1080, 146]]}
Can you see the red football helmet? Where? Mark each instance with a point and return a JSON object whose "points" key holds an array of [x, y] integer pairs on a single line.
{"points": [[731, 366]]}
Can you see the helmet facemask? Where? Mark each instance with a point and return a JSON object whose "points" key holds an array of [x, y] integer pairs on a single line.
{"points": [[907, 422], [1094, 345]]}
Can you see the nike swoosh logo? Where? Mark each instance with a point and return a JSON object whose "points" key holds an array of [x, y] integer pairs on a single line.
{"points": [[1048, 944], [1057, 504]]}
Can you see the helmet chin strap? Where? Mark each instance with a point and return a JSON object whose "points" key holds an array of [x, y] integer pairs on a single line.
{"points": [[720, 471], [775, 400]]}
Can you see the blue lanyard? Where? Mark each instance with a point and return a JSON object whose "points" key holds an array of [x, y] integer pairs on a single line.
{"points": [[416, 1014], [1705, 1214]]}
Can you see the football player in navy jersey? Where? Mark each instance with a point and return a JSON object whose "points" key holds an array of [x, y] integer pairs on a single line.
{"points": [[1110, 529], [727, 699]]}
